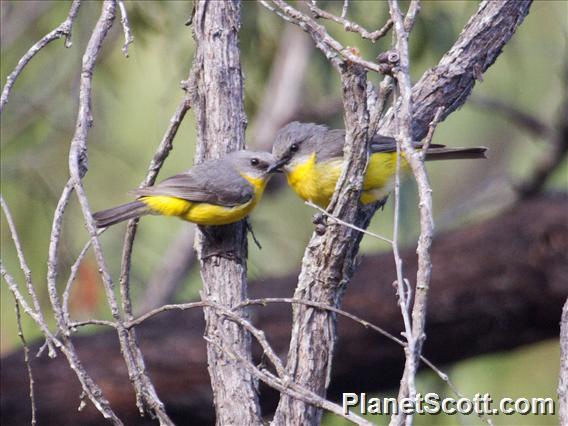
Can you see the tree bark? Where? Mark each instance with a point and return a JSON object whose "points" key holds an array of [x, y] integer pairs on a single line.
{"points": [[222, 250]]}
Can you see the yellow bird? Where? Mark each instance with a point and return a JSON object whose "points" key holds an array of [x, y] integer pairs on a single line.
{"points": [[215, 192], [311, 155]]}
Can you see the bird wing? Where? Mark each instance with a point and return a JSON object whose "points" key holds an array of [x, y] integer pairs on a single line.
{"points": [[213, 182], [332, 146], [381, 143]]}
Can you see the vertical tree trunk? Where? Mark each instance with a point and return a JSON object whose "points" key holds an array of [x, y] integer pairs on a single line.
{"points": [[222, 250], [328, 265]]}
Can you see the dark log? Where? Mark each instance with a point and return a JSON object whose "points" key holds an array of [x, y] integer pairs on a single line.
{"points": [[496, 285]]}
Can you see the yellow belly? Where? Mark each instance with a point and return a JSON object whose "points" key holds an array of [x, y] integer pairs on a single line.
{"points": [[316, 181], [204, 213]]}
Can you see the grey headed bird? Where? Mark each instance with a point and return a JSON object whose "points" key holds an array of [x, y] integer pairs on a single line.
{"points": [[215, 192], [311, 156]]}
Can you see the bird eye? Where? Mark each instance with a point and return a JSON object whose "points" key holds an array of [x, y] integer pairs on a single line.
{"points": [[294, 147], [254, 162]]}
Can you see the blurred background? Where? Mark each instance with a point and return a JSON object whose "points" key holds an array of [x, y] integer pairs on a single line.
{"points": [[286, 78]]}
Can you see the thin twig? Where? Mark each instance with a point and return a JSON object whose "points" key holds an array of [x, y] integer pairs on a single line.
{"points": [[77, 324], [411, 15], [404, 138], [63, 30], [344, 9], [350, 25], [128, 39], [349, 225], [53, 258], [26, 361], [403, 292], [73, 274], [431, 129]]}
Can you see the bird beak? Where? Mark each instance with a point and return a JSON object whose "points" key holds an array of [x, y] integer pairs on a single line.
{"points": [[276, 167]]}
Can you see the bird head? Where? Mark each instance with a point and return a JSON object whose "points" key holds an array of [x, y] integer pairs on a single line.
{"points": [[294, 144]]}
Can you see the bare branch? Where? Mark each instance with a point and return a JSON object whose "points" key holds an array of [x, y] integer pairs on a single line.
{"points": [[431, 129], [350, 25], [145, 393], [63, 30], [26, 361], [411, 15], [128, 39], [404, 139], [349, 225]]}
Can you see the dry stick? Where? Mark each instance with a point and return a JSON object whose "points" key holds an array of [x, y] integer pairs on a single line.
{"points": [[26, 360], [404, 138], [66, 347], [53, 258], [349, 225], [431, 129], [344, 9], [73, 274], [411, 15], [404, 293], [128, 39], [63, 30], [145, 393], [350, 25]]}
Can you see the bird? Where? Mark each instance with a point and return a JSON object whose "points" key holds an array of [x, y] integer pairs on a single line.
{"points": [[215, 192], [311, 156]]}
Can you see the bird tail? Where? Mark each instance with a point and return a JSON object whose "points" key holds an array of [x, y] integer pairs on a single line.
{"points": [[126, 211], [436, 153]]}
